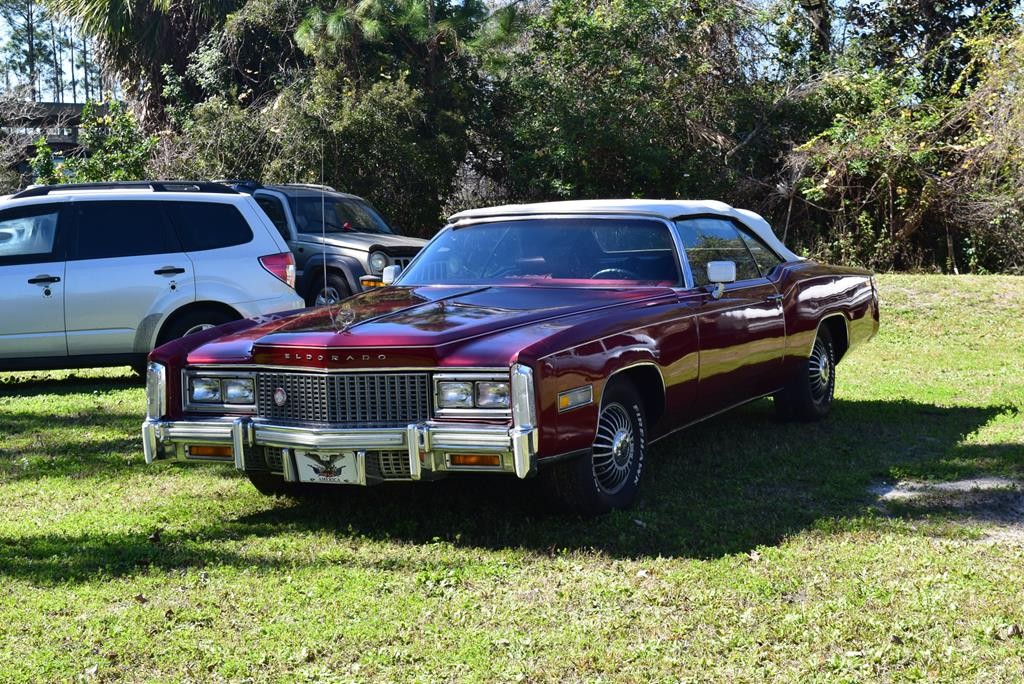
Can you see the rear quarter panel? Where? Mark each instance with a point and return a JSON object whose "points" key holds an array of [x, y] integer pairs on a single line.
{"points": [[813, 292]]}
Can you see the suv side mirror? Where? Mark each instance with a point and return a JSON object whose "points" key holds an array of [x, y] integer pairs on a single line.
{"points": [[720, 273], [390, 274]]}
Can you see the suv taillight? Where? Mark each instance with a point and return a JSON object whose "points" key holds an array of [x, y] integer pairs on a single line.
{"points": [[281, 265]]}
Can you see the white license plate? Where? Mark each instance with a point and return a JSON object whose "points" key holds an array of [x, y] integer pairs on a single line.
{"points": [[327, 468]]}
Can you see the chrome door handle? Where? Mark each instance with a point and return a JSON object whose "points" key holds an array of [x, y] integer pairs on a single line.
{"points": [[773, 298], [43, 280]]}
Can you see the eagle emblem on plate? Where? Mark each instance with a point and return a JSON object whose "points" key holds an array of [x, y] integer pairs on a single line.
{"points": [[326, 467]]}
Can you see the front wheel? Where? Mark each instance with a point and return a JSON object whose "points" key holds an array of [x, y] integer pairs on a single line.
{"points": [[609, 477], [809, 393], [329, 291]]}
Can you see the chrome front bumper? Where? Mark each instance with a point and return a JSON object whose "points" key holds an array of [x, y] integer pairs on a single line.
{"points": [[429, 445]]}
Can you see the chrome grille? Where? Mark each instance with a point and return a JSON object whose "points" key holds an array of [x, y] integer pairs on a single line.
{"points": [[346, 399], [401, 261], [274, 459], [394, 465]]}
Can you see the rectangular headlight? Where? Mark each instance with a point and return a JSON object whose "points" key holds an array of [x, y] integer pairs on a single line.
{"points": [[238, 391], [493, 395], [455, 395], [204, 390]]}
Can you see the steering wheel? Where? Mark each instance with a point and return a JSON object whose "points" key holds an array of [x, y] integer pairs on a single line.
{"points": [[615, 274]]}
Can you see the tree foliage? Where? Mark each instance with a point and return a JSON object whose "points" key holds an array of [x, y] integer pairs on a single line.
{"points": [[880, 133], [118, 149]]}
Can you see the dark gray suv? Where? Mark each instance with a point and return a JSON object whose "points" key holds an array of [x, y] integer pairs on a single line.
{"points": [[336, 238]]}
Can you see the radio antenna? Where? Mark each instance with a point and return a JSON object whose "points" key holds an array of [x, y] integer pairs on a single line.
{"points": [[323, 221]]}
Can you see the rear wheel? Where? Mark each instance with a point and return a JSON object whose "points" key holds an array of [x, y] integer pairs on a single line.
{"points": [[194, 321], [609, 477], [809, 393], [330, 291]]}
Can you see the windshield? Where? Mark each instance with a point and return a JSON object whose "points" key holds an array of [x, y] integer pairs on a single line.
{"points": [[585, 251], [336, 215]]}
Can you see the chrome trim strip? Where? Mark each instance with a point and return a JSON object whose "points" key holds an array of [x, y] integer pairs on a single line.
{"points": [[412, 442], [241, 435], [156, 390], [285, 437], [149, 440], [258, 367]]}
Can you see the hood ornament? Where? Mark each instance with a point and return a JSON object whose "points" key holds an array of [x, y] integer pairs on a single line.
{"points": [[344, 318]]}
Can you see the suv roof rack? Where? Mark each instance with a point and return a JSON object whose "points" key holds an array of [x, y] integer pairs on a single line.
{"points": [[313, 186], [155, 186], [241, 182]]}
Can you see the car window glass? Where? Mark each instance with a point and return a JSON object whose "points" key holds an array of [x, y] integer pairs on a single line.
{"points": [[710, 239], [122, 229], [620, 252], [336, 215], [274, 210], [209, 225], [766, 259], [28, 233]]}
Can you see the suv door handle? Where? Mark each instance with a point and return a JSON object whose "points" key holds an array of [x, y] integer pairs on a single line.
{"points": [[773, 298], [169, 270], [43, 280]]}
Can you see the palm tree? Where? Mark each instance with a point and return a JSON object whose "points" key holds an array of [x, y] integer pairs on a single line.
{"points": [[138, 38]]}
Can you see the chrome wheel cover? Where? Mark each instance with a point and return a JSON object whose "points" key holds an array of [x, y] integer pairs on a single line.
{"points": [[614, 448], [328, 295], [198, 328], [820, 369]]}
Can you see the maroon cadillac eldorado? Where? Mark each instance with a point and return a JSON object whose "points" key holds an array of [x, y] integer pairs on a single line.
{"points": [[552, 340]]}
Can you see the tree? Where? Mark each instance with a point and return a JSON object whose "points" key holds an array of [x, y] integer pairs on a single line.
{"points": [[137, 38], [114, 148]]}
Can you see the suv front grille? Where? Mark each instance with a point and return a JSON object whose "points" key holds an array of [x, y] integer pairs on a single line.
{"points": [[346, 399], [401, 261]]}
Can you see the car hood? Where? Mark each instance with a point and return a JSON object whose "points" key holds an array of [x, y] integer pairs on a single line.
{"points": [[365, 241], [416, 326]]}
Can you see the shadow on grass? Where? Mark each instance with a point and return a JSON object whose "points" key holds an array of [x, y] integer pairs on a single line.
{"points": [[29, 385], [726, 486]]}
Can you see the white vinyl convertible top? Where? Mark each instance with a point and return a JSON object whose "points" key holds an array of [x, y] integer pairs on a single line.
{"points": [[666, 209]]}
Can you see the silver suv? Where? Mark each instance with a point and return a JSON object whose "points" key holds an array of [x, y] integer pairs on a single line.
{"points": [[336, 238], [99, 274]]}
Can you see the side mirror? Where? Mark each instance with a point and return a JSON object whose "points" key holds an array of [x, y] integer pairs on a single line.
{"points": [[390, 274], [720, 273]]}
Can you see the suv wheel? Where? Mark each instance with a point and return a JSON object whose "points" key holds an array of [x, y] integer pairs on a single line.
{"points": [[332, 291], [193, 322]]}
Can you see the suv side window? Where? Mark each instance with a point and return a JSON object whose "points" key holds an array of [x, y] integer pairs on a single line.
{"points": [[208, 225], [122, 229], [766, 259], [29, 234], [273, 208], [711, 239]]}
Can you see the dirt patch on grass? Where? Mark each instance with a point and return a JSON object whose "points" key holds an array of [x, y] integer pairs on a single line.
{"points": [[994, 504]]}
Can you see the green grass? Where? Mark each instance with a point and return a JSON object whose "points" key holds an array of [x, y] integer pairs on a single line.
{"points": [[756, 552]]}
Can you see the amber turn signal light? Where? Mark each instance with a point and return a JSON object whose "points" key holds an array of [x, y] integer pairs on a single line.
{"points": [[206, 451], [371, 281], [478, 460]]}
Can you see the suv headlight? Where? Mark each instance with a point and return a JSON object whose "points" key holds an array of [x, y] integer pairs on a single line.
{"points": [[207, 391], [378, 262]]}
